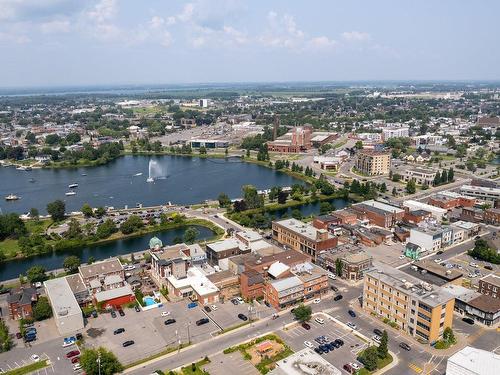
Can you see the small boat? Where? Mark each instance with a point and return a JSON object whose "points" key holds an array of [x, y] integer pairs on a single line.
{"points": [[138, 174], [11, 197], [69, 193], [84, 174], [31, 179], [21, 168], [72, 186]]}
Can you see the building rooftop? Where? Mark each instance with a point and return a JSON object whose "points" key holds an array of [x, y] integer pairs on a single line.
{"points": [[305, 361], [380, 207], [284, 284], [101, 268], [112, 279], [461, 293], [301, 228], [277, 268], [482, 189], [218, 277], [249, 235], [288, 257], [106, 295], [424, 206], [427, 293], [195, 280], [308, 271], [474, 361], [61, 297], [492, 279], [486, 303], [439, 270], [76, 283], [224, 245]]}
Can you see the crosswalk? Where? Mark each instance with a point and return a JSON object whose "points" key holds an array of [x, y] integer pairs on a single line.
{"points": [[415, 368]]}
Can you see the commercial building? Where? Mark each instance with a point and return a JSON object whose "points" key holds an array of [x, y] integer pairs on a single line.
{"points": [[492, 216], [481, 192], [490, 286], [437, 212], [431, 238], [307, 359], [373, 163], [114, 297], [209, 143], [381, 214], [295, 141], [195, 285], [217, 251], [422, 176], [472, 361], [67, 313], [449, 200], [302, 237], [21, 303], [284, 293], [188, 122], [98, 271], [419, 309], [353, 264]]}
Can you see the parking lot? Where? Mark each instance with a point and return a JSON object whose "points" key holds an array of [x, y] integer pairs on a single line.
{"points": [[297, 335]]}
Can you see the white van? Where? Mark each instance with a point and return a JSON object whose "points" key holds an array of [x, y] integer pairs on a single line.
{"points": [[332, 276]]}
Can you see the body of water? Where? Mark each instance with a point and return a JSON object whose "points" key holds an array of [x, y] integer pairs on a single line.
{"points": [[13, 268], [120, 182]]}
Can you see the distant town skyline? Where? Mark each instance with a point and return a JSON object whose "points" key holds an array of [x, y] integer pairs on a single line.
{"points": [[110, 42]]}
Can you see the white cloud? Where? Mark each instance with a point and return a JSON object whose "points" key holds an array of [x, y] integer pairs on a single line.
{"points": [[156, 22], [14, 38], [322, 42], [56, 26], [103, 11], [355, 36]]}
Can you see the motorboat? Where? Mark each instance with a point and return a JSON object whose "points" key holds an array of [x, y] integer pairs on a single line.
{"points": [[11, 197], [84, 174], [69, 193], [138, 174], [72, 186], [21, 168]]}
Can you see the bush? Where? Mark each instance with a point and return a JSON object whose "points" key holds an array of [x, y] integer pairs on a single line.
{"points": [[42, 309]]}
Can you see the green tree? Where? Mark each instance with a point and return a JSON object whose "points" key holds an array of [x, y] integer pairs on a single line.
{"points": [[451, 175], [34, 214], [383, 187], [324, 208], [224, 200], [5, 339], [444, 177], [42, 309], [296, 214], [203, 150], [71, 264], [91, 260], [251, 197], [100, 212], [382, 349], [411, 187], [36, 274], [394, 192], [359, 145], [449, 336], [11, 226], [87, 210], [338, 267], [190, 235], [302, 313], [106, 229], [56, 210], [369, 358], [74, 229], [109, 364], [132, 224]]}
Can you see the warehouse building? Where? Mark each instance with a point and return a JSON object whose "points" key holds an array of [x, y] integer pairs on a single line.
{"points": [[67, 313]]}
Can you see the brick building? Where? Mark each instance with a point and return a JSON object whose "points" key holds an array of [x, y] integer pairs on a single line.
{"points": [[378, 213], [21, 303], [490, 286]]}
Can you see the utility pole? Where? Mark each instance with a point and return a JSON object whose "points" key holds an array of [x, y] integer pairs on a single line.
{"points": [[189, 336]]}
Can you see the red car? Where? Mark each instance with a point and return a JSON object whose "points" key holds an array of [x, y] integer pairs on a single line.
{"points": [[72, 353], [75, 359]]}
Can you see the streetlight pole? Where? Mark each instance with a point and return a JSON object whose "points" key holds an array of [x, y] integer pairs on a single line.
{"points": [[189, 335]]}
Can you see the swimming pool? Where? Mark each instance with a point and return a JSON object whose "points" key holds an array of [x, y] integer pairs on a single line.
{"points": [[148, 301]]}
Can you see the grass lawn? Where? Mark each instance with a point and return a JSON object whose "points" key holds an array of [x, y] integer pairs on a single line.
{"points": [[9, 248], [27, 369], [188, 370]]}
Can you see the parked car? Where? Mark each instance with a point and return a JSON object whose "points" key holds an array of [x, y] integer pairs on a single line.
{"points": [[128, 343], [404, 346], [316, 301], [352, 313], [348, 368], [113, 314], [488, 267], [308, 344], [318, 350], [75, 359], [378, 332], [35, 357], [169, 321], [29, 338], [18, 335], [240, 300], [243, 317], [338, 297], [267, 304], [354, 365], [207, 309], [234, 301], [325, 348], [306, 326], [137, 308], [468, 320], [118, 331], [331, 346], [377, 339], [332, 276], [121, 312], [77, 367], [320, 320], [165, 313], [72, 353], [352, 325], [79, 336], [202, 321], [334, 288], [214, 307], [94, 314], [440, 252], [339, 341]]}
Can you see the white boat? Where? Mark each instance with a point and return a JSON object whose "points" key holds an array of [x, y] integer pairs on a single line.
{"points": [[71, 193], [11, 197], [21, 168], [72, 186], [84, 174], [138, 174]]}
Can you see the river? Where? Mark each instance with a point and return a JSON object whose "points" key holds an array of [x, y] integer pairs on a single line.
{"points": [[188, 180], [12, 268]]}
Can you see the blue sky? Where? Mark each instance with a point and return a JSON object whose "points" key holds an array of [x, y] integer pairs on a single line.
{"points": [[77, 42]]}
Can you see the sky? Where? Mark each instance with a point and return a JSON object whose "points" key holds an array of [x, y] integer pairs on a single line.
{"points": [[104, 42]]}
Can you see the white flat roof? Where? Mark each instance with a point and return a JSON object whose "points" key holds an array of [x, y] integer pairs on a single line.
{"points": [[305, 361], [106, 295], [230, 243], [297, 226], [474, 361], [196, 280], [383, 206], [61, 297], [424, 206]]}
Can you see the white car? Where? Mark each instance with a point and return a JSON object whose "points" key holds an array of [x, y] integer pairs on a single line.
{"points": [[402, 256], [165, 313], [35, 357], [320, 320], [355, 366], [472, 264], [240, 300], [332, 276], [316, 301], [352, 325], [67, 343], [77, 367], [213, 307], [438, 260], [376, 338], [309, 344]]}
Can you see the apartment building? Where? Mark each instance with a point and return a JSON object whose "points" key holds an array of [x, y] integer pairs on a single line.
{"points": [[490, 286], [388, 133], [378, 213], [373, 163], [284, 293], [302, 237], [422, 176], [419, 309]]}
